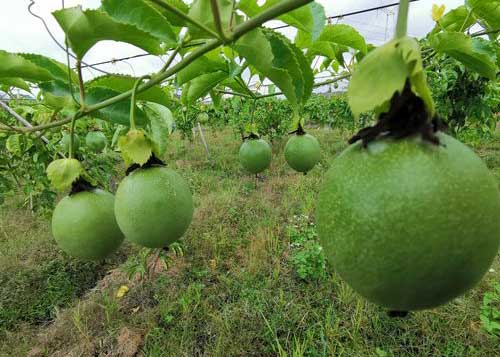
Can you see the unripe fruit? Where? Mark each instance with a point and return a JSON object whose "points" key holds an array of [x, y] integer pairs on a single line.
{"points": [[407, 224], [302, 152], [153, 207], [65, 141], [255, 155], [84, 225], [96, 141]]}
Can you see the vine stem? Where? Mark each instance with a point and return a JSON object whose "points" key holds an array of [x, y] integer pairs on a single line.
{"points": [[402, 24], [132, 100], [218, 20], [181, 14], [81, 84], [173, 54], [240, 30], [315, 85], [72, 135]]}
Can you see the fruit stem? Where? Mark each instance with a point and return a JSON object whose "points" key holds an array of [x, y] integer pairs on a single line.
{"points": [[402, 24], [72, 135], [132, 100]]}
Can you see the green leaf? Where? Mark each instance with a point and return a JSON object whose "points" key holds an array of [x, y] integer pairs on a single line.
{"points": [[343, 35], [135, 147], [201, 11], [173, 18], [62, 173], [216, 99], [381, 74], [140, 14], [211, 62], [117, 113], [13, 65], [57, 69], [410, 52], [310, 18], [489, 10], [14, 145], [200, 86], [474, 53], [161, 125], [86, 28], [278, 60], [15, 82], [122, 83], [458, 19], [57, 95], [306, 71], [237, 85]]}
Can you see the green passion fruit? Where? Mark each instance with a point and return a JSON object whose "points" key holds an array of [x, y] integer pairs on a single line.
{"points": [[302, 152], [84, 225], [255, 155], [96, 141], [65, 141], [153, 206], [407, 224]]}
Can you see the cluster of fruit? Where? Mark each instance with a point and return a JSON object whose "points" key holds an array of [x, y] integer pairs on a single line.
{"points": [[153, 207], [302, 153]]}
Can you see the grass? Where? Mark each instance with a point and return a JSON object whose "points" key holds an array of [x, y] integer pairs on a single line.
{"points": [[252, 281]]}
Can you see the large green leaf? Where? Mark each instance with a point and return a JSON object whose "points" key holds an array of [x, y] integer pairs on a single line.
{"points": [[200, 86], [62, 173], [161, 124], [12, 65], [310, 18], [237, 85], [15, 82], [117, 113], [459, 19], [86, 28], [488, 10], [383, 72], [201, 11], [140, 14], [122, 83], [57, 95], [172, 17], [211, 62], [277, 59], [474, 53], [136, 147], [58, 70], [343, 35]]}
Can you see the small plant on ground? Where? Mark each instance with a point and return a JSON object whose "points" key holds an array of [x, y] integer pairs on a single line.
{"points": [[490, 311], [307, 255]]}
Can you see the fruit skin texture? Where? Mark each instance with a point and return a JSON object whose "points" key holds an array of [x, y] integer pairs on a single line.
{"points": [[407, 224], [96, 141], [255, 155], [65, 140], [84, 225], [153, 207], [302, 152]]}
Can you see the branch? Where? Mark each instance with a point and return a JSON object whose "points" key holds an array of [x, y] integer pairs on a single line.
{"points": [[218, 20], [80, 83], [271, 13], [189, 19], [23, 121], [485, 32], [236, 94], [39, 127], [315, 85]]}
